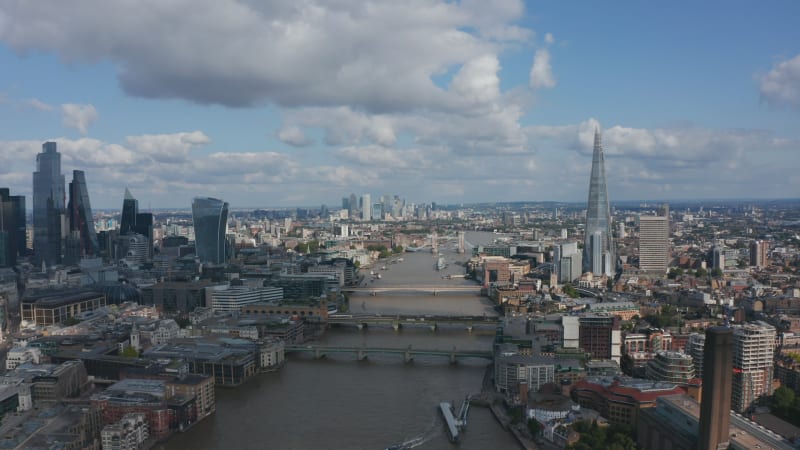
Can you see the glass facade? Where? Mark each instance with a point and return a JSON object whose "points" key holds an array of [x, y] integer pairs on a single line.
{"points": [[81, 219], [210, 217], [48, 205], [598, 253]]}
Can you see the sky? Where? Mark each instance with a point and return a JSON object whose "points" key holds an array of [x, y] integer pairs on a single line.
{"points": [[301, 102]]}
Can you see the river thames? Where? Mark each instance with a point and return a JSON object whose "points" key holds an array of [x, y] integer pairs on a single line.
{"points": [[341, 403]]}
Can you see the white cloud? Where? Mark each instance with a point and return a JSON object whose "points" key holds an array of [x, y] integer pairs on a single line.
{"points": [[379, 56], [37, 104], [167, 148], [781, 85], [549, 39], [294, 136], [541, 71], [78, 116]]}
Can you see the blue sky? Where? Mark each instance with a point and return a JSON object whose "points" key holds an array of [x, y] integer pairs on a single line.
{"points": [[300, 103]]}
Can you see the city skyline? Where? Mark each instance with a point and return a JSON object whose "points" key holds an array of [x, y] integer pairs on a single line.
{"points": [[688, 104]]}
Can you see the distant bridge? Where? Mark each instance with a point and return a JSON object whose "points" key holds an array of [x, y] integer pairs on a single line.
{"points": [[408, 353], [433, 288], [399, 321]]}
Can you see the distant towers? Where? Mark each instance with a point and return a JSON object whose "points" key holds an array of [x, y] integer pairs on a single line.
{"points": [[210, 217], [134, 222], [366, 207], [598, 255], [717, 376], [48, 206]]}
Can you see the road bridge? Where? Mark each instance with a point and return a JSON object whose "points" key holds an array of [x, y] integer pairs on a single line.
{"points": [[408, 353], [431, 289], [399, 321]]}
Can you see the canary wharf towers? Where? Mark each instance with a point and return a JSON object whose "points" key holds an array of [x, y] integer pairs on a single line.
{"points": [[598, 250]]}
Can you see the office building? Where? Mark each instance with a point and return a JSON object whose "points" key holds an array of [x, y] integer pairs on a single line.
{"points": [[621, 399], [366, 207], [48, 206], [81, 220], [233, 298], [12, 228], [672, 367], [695, 347], [653, 244], [130, 208], [716, 405], [598, 253], [758, 253], [600, 336], [134, 222], [210, 217], [753, 351]]}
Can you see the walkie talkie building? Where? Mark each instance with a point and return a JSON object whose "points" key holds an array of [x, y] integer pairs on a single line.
{"points": [[210, 217]]}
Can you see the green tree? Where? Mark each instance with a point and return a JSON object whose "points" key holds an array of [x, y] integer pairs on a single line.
{"points": [[716, 272], [570, 291], [130, 352], [534, 427], [701, 273], [783, 398]]}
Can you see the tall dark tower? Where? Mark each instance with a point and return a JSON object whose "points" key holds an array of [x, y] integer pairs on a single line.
{"points": [[48, 206], [81, 219], [12, 227], [130, 208], [715, 409], [598, 250]]}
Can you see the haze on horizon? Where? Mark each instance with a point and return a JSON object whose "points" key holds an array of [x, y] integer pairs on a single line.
{"points": [[300, 103]]}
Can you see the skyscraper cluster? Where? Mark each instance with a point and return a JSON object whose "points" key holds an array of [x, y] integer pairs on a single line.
{"points": [[598, 251], [133, 222]]}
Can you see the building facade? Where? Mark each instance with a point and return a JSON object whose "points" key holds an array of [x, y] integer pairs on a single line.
{"points": [[12, 228], [81, 219], [48, 206], [753, 366], [210, 217], [599, 256], [653, 244]]}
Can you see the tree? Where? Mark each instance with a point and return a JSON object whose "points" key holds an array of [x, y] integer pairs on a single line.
{"points": [[783, 398], [130, 352], [534, 427], [701, 273], [716, 272], [569, 290]]}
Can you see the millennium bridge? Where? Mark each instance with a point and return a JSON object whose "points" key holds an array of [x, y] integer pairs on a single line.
{"points": [[408, 353]]}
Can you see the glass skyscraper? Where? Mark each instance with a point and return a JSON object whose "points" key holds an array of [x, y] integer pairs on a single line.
{"points": [[210, 217], [598, 253], [48, 206], [130, 208], [81, 219], [12, 227]]}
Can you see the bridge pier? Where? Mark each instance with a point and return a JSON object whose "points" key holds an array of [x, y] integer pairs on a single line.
{"points": [[396, 325], [407, 356], [361, 325], [469, 328], [434, 292], [433, 327], [453, 356], [362, 354], [318, 354]]}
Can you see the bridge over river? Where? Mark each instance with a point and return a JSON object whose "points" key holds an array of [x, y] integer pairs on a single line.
{"points": [[399, 321], [408, 353], [430, 289]]}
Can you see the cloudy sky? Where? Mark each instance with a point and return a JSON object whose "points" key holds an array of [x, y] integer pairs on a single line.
{"points": [[300, 102]]}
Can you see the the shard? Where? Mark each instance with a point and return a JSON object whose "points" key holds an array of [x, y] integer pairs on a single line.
{"points": [[598, 251]]}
